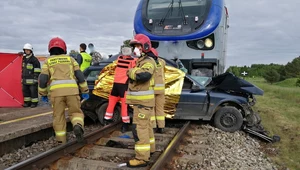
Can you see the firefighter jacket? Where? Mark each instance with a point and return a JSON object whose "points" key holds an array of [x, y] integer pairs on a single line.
{"points": [[123, 64], [159, 78], [86, 61], [141, 83], [31, 68], [62, 73]]}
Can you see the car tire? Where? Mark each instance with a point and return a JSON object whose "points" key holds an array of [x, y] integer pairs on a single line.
{"points": [[102, 110], [228, 119]]}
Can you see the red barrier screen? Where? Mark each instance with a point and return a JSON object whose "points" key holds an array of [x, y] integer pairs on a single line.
{"points": [[10, 80]]}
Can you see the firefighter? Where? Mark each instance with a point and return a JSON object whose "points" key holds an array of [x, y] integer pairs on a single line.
{"points": [[85, 57], [140, 94], [120, 86], [62, 71], [158, 120], [31, 68]]}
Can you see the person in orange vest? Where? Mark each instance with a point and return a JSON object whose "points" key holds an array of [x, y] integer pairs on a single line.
{"points": [[120, 86]]}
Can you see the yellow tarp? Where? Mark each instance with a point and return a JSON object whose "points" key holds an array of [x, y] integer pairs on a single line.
{"points": [[173, 79]]}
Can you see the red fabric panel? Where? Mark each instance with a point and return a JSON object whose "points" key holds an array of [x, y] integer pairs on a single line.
{"points": [[10, 80]]}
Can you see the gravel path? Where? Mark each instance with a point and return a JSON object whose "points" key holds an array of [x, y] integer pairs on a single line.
{"points": [[214, 149]]}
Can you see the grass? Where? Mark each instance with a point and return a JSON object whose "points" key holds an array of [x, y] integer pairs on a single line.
{"points": [[287, 83], [279, 108]]}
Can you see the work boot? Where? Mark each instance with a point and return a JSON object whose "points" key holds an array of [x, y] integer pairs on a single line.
{"points": [[26, 105], [124, 127], [137, 163], [160, 130], [78, 131], [33, 105], [108, 121]]}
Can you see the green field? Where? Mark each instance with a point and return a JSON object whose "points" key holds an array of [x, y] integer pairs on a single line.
{"points": [[279, 108], [287, 83]]}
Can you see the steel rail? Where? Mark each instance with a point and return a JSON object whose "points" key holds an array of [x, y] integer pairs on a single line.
{"points": [[48, 157], [166, 156]]}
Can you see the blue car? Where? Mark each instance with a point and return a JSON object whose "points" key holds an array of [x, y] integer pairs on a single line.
{"points": [[226, 100]]}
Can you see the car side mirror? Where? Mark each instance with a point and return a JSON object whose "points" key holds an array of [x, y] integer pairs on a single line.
{"points": [[195, 88]]}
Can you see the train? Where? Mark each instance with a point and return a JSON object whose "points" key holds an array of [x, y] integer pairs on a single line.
{"points": [[193, 31]]}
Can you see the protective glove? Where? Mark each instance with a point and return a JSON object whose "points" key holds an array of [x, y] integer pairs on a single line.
{"points": [[45, 99], [85, 96]]}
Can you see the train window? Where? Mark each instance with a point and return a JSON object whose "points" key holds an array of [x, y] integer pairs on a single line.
{"points": [[157, 9]]}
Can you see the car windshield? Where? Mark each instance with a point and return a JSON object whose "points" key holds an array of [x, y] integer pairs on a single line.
{"points": [[93, 75], [204, 81], [157, 9]]}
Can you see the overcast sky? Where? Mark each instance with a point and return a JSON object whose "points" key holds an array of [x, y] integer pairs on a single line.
{"points": [[261, 31]]}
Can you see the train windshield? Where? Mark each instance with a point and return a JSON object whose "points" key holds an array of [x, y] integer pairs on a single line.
{"points": [[158, 9]]}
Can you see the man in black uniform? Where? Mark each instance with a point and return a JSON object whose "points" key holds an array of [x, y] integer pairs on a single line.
{"points": [[31, 68]]}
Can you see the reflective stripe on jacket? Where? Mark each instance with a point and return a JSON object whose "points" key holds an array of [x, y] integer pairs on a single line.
{"points": [[86, 61], [159, 77], [123, 64], [141, 93]]}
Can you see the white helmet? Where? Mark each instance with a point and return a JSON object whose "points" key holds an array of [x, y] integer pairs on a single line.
{"points": [[27, 46]]}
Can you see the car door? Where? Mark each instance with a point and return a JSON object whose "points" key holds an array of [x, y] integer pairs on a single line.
{"points": [[192, 103]]}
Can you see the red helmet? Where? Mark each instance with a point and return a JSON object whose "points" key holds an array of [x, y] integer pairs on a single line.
{"points": [[154, 51], [143, 40], [57, 42]]}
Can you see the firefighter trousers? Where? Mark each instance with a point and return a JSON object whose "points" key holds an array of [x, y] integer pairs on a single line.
{"points": [[159, 111], [143, 132], [75, 114], [30, 93]]}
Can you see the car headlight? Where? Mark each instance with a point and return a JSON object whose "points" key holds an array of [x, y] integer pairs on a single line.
{"points": [[200, 44], [208, 42]]}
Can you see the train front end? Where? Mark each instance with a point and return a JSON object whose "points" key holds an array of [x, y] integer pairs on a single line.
{"points": [[193, 31]]}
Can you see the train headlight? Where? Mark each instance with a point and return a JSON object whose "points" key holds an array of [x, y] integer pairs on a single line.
{"points": [[208, 42], [200, 44]]}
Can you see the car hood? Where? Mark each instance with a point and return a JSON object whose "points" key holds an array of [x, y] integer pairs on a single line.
{"points": [[230, 82]]}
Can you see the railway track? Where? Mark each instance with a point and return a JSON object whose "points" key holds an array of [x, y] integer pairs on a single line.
{"points": [[182, 146], [98, 153]]}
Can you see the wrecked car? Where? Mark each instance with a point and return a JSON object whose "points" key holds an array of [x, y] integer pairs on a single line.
{"points": [[226, 100]]}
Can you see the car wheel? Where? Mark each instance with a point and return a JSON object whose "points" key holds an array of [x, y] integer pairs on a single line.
{"points": [[228, 119], [102, 110]]}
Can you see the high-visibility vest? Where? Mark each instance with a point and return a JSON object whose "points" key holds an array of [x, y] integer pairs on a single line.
{"points": [[86, 61], [123, 64]]}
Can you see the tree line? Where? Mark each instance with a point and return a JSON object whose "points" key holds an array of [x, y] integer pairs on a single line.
{"points": [[270, 72]]}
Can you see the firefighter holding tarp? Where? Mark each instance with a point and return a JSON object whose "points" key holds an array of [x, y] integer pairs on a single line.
{"points": [[120, 86], [63, 74], [31, 69], [140, 94]]}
